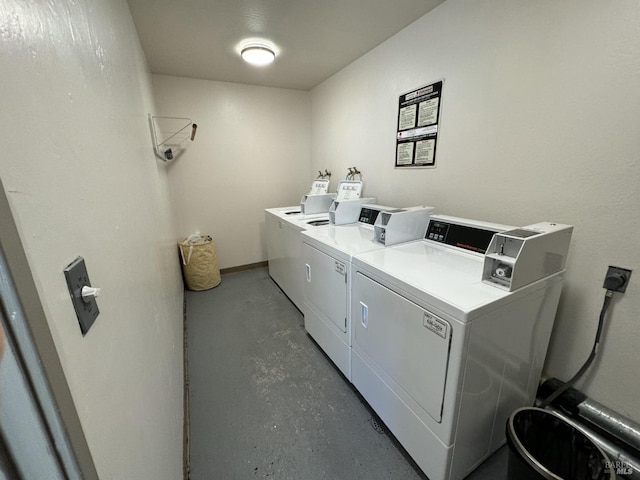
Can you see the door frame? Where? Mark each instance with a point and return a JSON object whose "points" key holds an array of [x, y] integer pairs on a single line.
{"points": [[34, 345]]}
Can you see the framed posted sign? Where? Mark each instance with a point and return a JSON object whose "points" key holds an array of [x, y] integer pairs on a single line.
{"points": [[417, 135]]}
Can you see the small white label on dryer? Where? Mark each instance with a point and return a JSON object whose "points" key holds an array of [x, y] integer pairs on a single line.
{"points": [[341, 268], [436, 325]]}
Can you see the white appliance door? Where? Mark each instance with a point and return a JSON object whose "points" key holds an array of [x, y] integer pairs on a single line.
{"points": [[402, 342], [326, 285], [293, 269], [275, 248]]}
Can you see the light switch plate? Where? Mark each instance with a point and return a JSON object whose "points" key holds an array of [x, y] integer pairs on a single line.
{"points": [[77, 277]]}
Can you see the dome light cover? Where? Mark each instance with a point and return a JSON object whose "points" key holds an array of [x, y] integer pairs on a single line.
{"points": [[259, 55]]}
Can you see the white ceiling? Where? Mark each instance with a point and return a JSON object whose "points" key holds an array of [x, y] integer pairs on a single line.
{"points": [[313, 38]]}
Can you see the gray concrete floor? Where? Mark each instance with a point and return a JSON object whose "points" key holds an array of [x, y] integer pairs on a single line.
{"points": [[265, 402]]}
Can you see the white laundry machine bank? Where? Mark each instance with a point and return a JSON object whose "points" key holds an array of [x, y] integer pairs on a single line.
{"points": [[441, 351], [327, 254]]}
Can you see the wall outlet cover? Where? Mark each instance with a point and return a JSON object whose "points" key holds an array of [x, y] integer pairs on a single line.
{"points": [[625, 272], [77, 277]]}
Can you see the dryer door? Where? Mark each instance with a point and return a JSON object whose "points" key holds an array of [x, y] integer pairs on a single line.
{"points": [[404, 344], [326, 286]]}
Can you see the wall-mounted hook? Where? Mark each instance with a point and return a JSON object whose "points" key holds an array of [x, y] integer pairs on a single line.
{"points": [[326, 173]]}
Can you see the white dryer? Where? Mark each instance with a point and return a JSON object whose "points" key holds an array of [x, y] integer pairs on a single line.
{"points": [[280, 248], [442, 356], [284, 247], [326, 254], [283, 227]]}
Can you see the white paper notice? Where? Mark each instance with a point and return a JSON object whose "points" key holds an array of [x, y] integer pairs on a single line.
{"points": [[405, 153], [349, 191], [319, 187], [424, 152], [407, 117], [428, 112]]}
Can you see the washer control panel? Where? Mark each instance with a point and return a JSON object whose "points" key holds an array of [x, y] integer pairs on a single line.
{"points": [[368, 215], [474, 239]]}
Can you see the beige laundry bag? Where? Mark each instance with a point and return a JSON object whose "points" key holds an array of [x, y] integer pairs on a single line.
{"points": [[199, 262]]}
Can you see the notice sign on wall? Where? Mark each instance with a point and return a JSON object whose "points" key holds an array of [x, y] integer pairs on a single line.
{"points": [[418, 117]]}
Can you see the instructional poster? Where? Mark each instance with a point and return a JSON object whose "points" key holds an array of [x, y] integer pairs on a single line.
{"points": [[417, 135]]}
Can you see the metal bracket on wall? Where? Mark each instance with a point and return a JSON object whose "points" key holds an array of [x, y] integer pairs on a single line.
{"points": [[169, 133]]}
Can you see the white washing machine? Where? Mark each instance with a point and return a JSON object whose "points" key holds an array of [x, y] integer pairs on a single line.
{"points": [[284, 247], [442, 353]]}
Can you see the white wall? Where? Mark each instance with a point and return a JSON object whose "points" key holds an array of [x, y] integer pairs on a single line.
{"points": [[82, 179], [251, 152], [539, 122]]}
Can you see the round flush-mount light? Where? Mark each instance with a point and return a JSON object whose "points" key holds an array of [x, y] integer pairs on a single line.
{"points": [[257, 54]]}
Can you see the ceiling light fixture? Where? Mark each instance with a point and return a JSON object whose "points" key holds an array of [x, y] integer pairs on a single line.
{"points": [[259, 55]]}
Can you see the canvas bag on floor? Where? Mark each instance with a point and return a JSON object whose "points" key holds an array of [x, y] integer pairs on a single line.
{"points": [[199, 262]]}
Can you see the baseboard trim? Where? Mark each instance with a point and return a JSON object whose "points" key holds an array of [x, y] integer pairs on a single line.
{"points": [[242, 268]]}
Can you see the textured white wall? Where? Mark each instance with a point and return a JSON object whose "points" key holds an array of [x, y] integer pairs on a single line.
{"points": [[539, 122], [82, 179], [251, 152]]}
